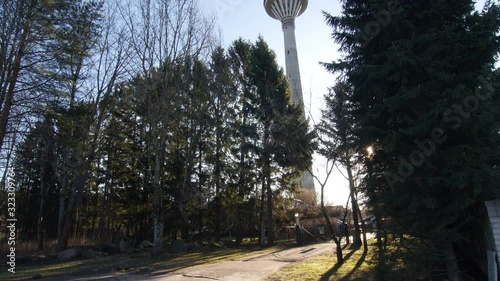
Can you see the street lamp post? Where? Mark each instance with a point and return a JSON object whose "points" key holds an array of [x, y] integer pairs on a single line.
{"points": [[297, 230]]}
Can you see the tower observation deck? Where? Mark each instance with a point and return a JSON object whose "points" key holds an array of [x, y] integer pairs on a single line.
{"points": [[286, 11]]}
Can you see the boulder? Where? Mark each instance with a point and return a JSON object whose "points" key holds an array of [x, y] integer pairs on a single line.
{"points": [[125, 246], [69, 254], [145, 245], [41, 257], [91, 254], [108, 248], [230, 244], [215, 246], [193, 246], [22, 259], [52, 254], [178, 246]]}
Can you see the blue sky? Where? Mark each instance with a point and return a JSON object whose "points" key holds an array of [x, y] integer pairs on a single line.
{"points": [[248, 19]]}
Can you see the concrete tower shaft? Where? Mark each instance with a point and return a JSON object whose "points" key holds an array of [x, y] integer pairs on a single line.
{"points": [[286, 11]]}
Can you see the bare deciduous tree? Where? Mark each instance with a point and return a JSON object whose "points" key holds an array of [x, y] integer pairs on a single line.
{"points": [[104, 69], [329, 168]]}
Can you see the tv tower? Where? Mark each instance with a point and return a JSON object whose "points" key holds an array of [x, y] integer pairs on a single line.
{"points": [[286, 11]]}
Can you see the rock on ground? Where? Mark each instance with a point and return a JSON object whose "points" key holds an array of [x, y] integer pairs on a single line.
{"points": [[178, 246], [69, 254], [145, 245]]}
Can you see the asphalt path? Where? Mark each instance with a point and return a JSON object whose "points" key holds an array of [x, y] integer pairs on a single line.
{"points": [[251, 268]]}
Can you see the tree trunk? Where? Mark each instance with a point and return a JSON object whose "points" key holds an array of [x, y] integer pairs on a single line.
{"points": [[103, 217], [200, 190], [340, 258], [363, 227], [380, 246], [16, 69], [8, 159], [218, 217], [451, 263], [39, 230], [158, 225], [71, 212], [62, 205], [261, 215], [356, 238], [270, 220], [158, 218], [218, 203], [85, 165], [355, 209], [266, 185], [344, 219]]}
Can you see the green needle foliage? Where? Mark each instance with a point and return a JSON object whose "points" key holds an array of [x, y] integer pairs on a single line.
{"points": [[422, 76]]}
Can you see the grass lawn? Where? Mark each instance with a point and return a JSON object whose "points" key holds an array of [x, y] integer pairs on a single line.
{"points": [[358, 266], [119, 264]]}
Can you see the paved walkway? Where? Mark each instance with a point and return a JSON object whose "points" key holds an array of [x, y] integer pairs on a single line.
{"points": [[253, 268]]}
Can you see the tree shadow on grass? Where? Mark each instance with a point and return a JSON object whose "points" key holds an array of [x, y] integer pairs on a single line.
{"points": [[356, 267], [333, 270]]}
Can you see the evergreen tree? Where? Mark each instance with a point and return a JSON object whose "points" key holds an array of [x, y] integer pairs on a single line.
{"points": [[246, 137], [36, 175], [223, 95], [279, 154], [123, 185], [193, 140], [421, 73], [77, 24]]}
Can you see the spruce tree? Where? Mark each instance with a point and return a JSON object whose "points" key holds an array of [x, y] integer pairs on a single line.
{"points": [[422, 83], [245, 134], [285, 141], [222, 97]]}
